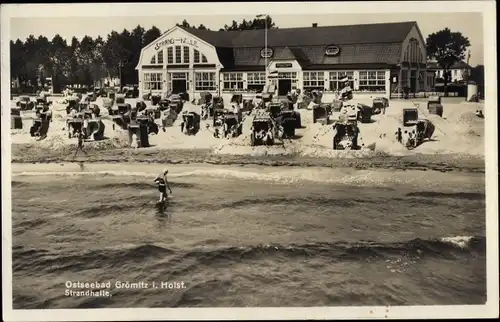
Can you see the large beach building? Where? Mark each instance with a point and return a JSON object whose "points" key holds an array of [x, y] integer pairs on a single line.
{"points": [[377, 59]]}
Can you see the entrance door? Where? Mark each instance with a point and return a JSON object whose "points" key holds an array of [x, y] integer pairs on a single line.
{"points": [[178, 86], [178, 82], [413, 85], [284, 86]]}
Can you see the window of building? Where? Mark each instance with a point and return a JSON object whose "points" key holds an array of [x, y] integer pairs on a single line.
{"points": [[153, 81], [256, 78], [232, 81], [256, 81], [287, 75], [372, 81], [336, 76], [160, 57], [170, 55], [197, 57], [178, 55], [413, 52], [185, 57], [204, 81], [314, 80], [153, 60]]}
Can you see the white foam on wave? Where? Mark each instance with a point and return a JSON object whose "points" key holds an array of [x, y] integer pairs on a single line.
{"points": [[460, 241], [286, 176]]}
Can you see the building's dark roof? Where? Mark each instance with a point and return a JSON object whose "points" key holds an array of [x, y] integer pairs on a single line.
{"points": [[284, 54], [386, 54], [458, 65], [359, 44], [308, 36]]}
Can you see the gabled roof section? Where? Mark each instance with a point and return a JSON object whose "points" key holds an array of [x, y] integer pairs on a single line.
{"points": [[394, 32], [300, 56], [284, 54]]}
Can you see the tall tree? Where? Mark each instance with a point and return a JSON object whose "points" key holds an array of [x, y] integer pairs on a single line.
{"points": [[261, 23], [42, 58], [127, 64], [137, 40], [85, 59], [18, 62], [234, 26], [447, 48], [32, 65], [151, 35], [184, 24], [59, 64], [477, 75], [98, 66], [113, 54], [73, 49]]}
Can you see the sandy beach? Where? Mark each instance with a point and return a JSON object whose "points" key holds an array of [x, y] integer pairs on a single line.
{"points": [[459, 135]]}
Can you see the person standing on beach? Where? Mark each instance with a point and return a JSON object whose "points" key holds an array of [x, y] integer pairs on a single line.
{"points": [[80, 144], [346, 91]]}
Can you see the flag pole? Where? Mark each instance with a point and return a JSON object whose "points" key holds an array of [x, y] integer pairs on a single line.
{"points": [[265, 16], [266, 49]]}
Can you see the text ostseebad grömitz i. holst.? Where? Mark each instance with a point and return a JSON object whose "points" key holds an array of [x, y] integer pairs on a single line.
{"points": [[102, 289]]}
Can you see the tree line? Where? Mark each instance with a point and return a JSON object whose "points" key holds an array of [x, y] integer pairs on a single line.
{"points": [[80, 61], [84, 61]]}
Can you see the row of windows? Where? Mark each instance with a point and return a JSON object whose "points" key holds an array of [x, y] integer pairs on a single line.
{"points": [[368, 80], [232, 81], [206, 81], [372, 81], [335, 77], [153, 81], [178, 55]]}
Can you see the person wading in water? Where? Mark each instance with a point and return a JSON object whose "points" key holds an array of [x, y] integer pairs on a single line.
{"points": [[163, 185]]}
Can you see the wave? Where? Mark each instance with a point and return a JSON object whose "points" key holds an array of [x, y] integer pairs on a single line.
{"points": [[284, 177], [344, 251], [142, 185], [457, 195], [44, 261]]}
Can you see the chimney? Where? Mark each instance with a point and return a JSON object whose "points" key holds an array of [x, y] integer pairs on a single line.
{"points": [[315, 25]]}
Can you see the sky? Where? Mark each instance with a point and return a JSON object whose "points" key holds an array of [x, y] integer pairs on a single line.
{"points": [[470, 24]]}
